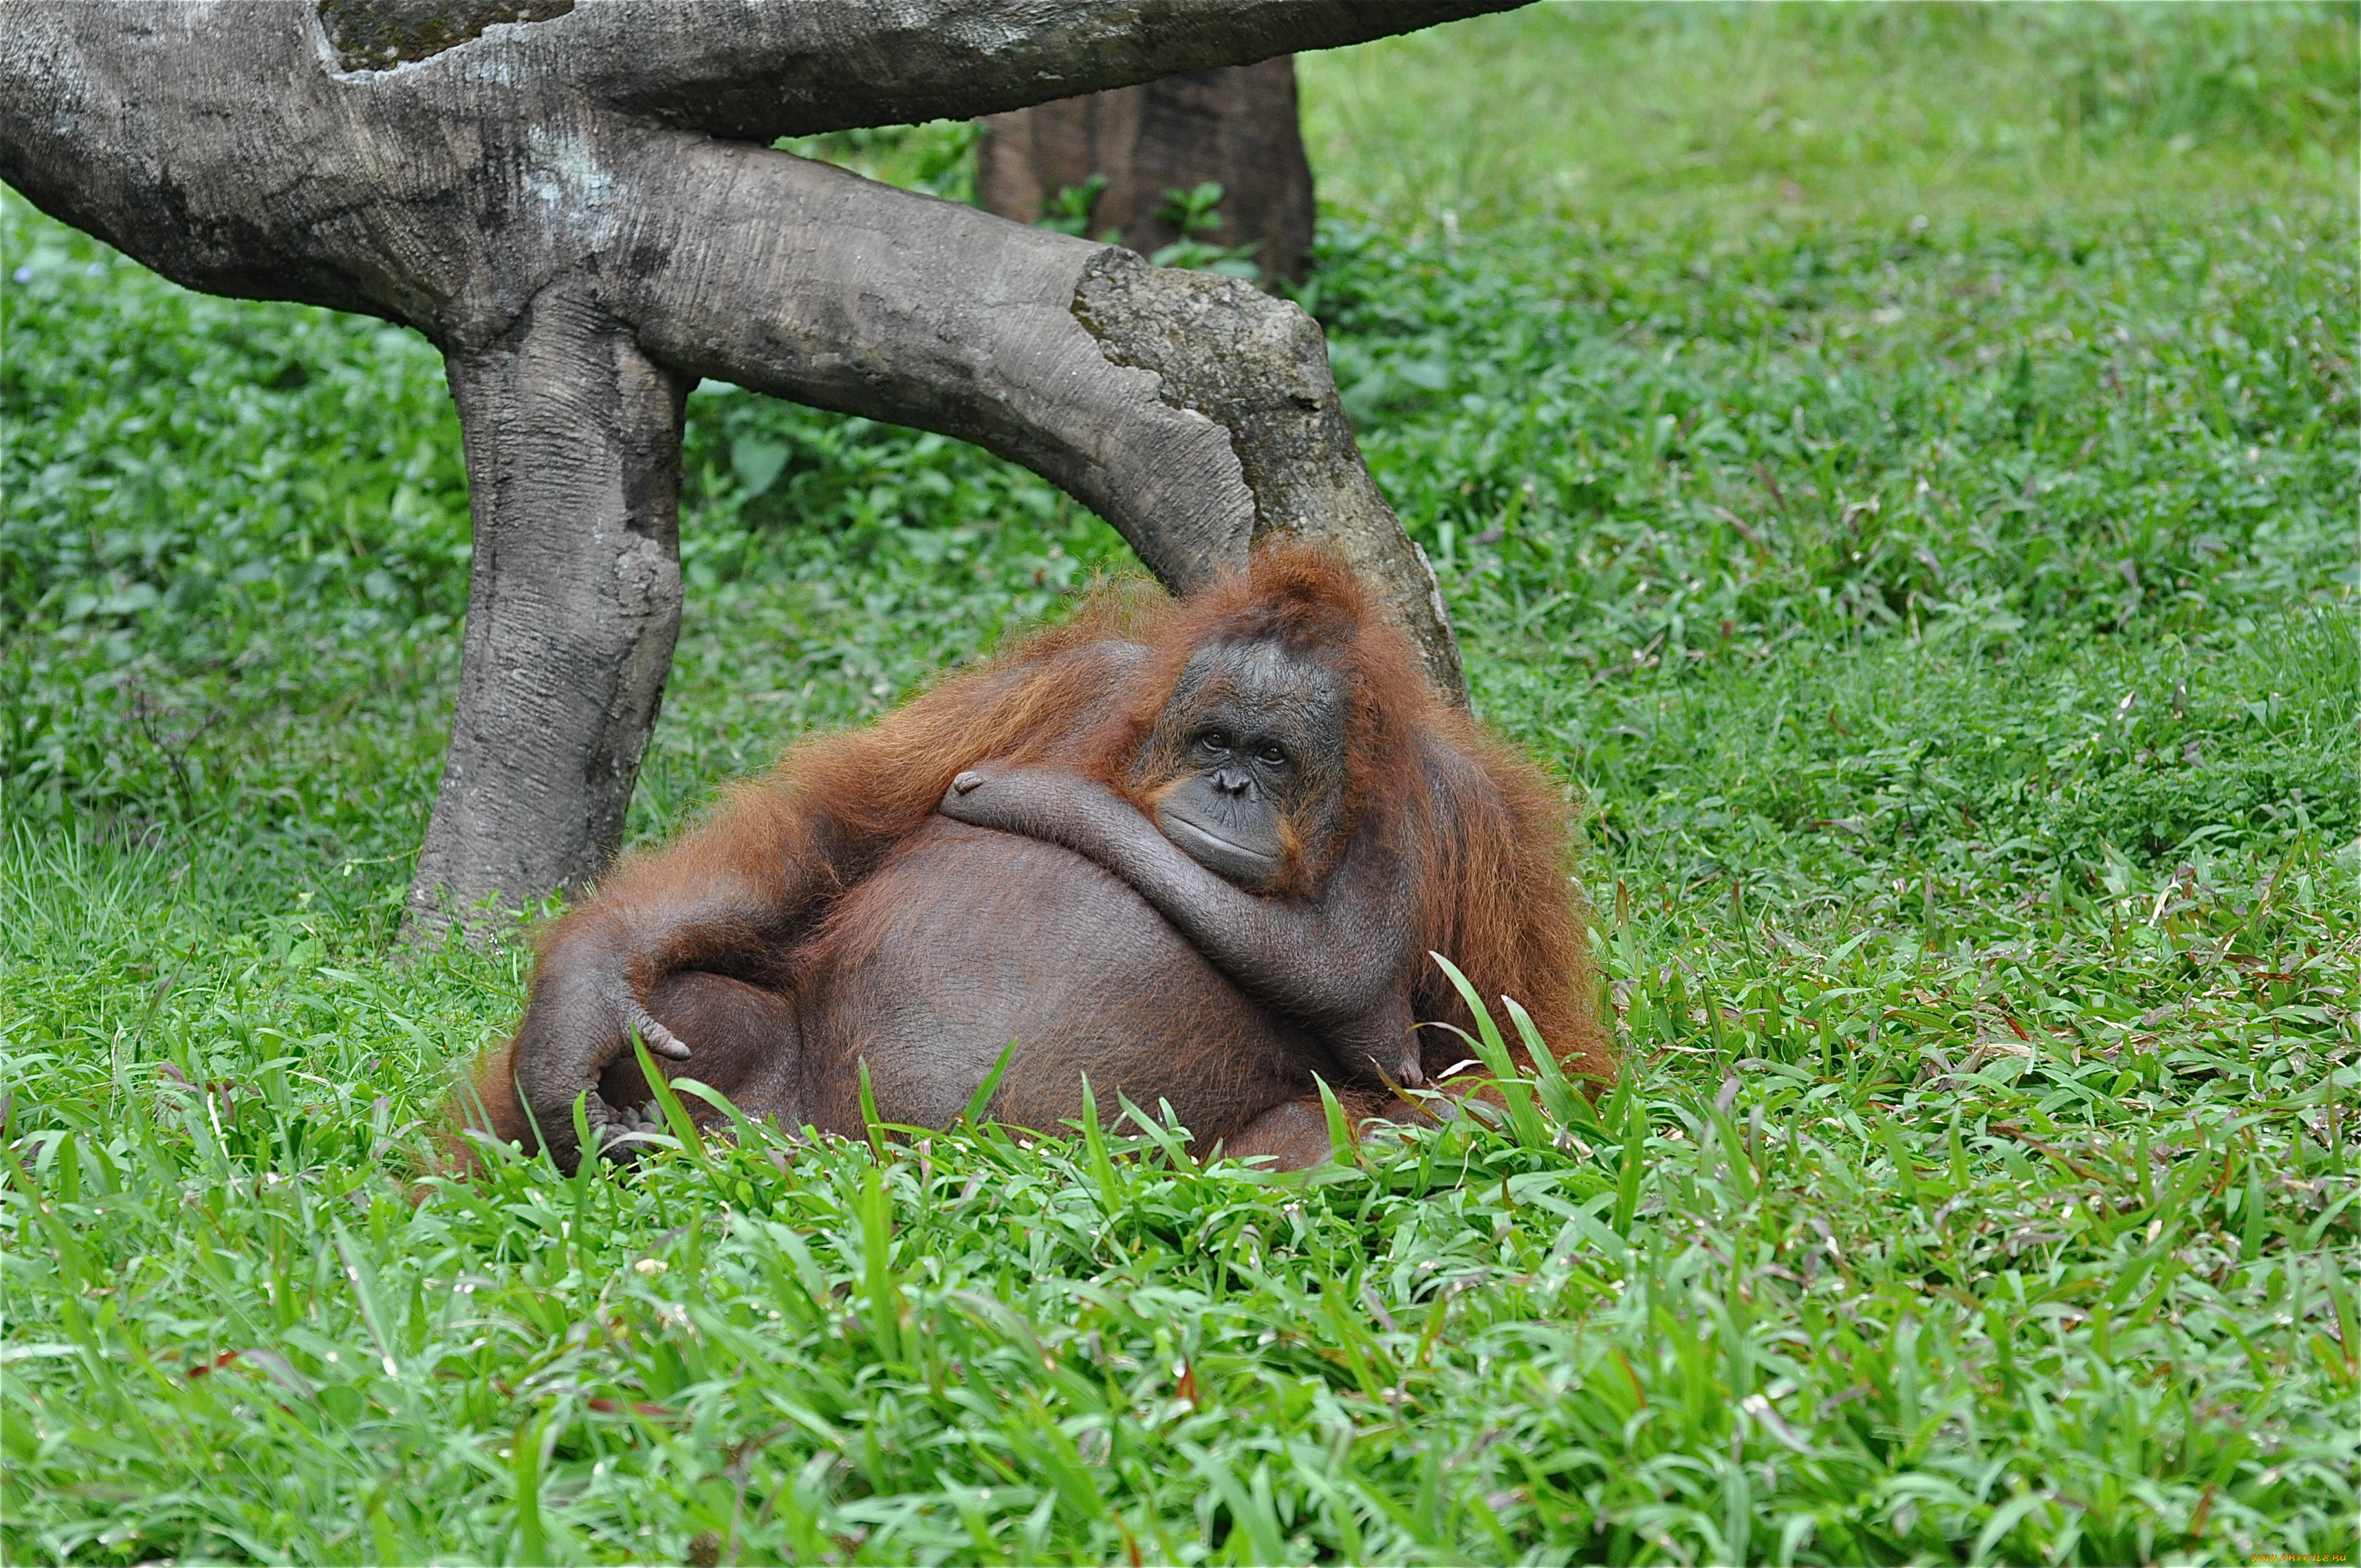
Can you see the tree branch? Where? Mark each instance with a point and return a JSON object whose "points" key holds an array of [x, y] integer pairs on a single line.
{"points": [[1191, 410], [796, 279], [757, 71]]}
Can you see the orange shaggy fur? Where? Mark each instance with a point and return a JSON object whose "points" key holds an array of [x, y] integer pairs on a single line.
{"points": [[765, 867]]}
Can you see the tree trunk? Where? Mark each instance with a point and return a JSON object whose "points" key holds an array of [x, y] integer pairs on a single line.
{"points": [[580, 205], [1236, 125], [573, 446]]}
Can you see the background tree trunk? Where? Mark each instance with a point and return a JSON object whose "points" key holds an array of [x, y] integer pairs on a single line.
{"points": [[1234, 125]]}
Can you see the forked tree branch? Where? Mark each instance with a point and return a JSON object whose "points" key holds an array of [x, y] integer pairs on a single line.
{"points": [[548, 201]]}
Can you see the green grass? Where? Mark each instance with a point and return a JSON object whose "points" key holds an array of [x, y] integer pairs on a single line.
{"points": [[1898, 464], [1729, 115]]}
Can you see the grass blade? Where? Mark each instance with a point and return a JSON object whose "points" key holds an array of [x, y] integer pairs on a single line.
{"points": [[1524, 1118], [980, 1101]]}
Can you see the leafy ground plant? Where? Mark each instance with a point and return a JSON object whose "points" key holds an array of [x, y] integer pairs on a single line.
{"points": [[1897, 463]]}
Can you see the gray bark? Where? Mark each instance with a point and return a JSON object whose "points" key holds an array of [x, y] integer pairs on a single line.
{"points": [[846, 295], [569, 631], [570, 208]]}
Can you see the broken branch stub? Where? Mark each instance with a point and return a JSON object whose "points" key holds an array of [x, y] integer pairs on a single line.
{"points": [[1258, 367]]}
